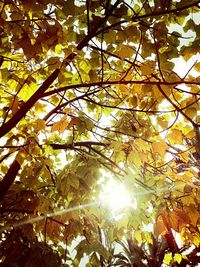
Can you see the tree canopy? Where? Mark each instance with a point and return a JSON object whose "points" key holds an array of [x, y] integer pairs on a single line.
{"points": [[92, 90]]}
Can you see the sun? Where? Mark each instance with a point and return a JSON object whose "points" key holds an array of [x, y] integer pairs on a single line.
{"points": [[116, 197]]}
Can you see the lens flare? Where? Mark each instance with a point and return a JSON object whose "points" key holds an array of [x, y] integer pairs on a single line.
{"points": [[116, 197]]}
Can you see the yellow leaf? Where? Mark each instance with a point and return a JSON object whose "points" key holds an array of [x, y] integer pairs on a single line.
{"points": [[146, 69], [197, 66], [141, 144], [178, 219], [136, 88], [148, 238], [133, 101], [190, 134], [124, 89], [168, 258], [191, 112], [197, 119], [53, 62], [185, 156], [85, 66], [134, 158], [125, 52], [156, 92], [21, 157], [39, 125], [58, 49], [27, 91], [196, 239], [162, 122], [159, 147], [138, 236], [177, 257], [175, 137]]}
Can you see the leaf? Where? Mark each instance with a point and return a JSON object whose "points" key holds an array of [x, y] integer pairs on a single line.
{"points": [[168, 258], [123, 89], [27, 91], [85, 66], [162, 122], [135, 159], [125, 51], [146, 68], [39, 125], [138, 236], [191, 112], [192, 213], [175, 136], [26, 45], [133, 101], [74, 121], [53, 63], [196, 239], [61, 125], [159, 147], [73, 180], [178, 219], [197, 66], [177, 257], [69, 9], [160, 227], [94, 261]]}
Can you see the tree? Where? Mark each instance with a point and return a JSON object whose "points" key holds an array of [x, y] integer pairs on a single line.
{"points": [[89, 87]]}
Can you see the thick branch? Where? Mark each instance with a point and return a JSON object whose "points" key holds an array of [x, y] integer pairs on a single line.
{"points": [[93, 31], [10, 124], [9, 178], [78, 144], [6, 127]]}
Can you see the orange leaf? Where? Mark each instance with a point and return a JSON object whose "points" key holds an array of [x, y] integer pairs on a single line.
{"points": [[178, 219], [160, 227], [74, 121], [159, 147], [61, 125], [193, 214]]}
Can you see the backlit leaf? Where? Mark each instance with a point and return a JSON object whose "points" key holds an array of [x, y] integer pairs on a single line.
{"points": [[177, 257], [175, 137], [159, 147], [61, 125], [167, 258]]}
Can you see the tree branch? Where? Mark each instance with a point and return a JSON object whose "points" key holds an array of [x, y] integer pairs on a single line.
{"points": [[176, 107], [9, 178], [47, 116], [165, 12], [83, 85], [11, 123], [76, 144]]}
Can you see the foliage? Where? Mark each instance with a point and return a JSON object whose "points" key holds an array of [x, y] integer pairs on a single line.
{"points": [[93, 87]]}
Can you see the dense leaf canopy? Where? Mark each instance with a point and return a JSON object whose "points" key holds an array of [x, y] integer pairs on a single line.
{"points": [[92, 90]]}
